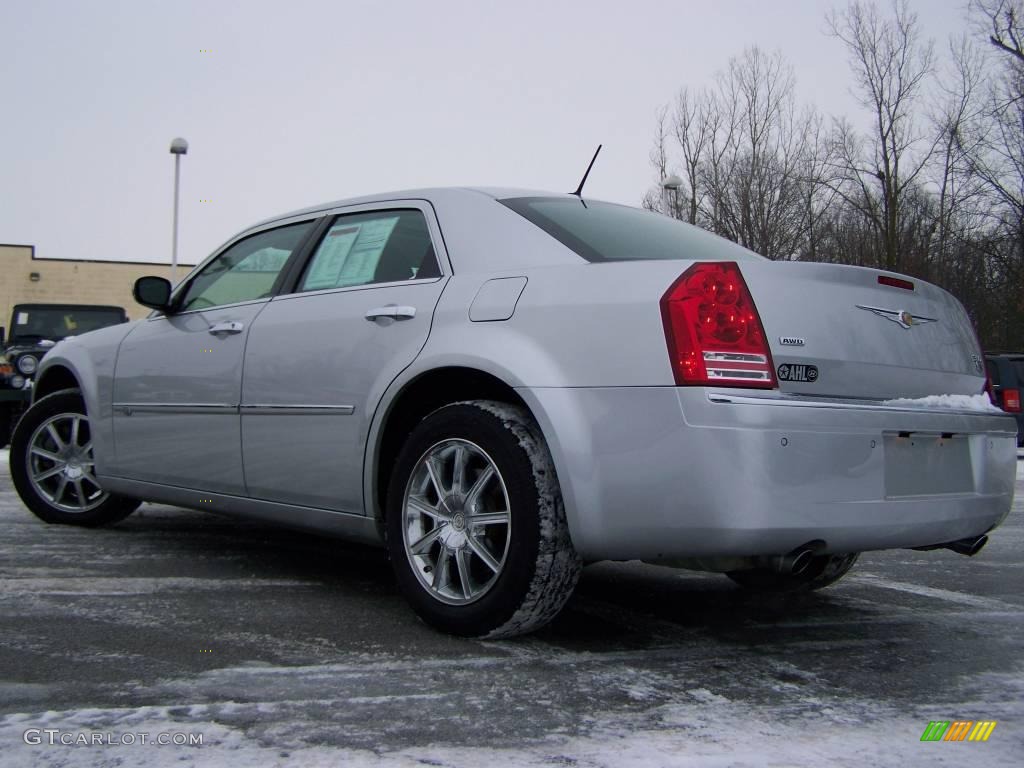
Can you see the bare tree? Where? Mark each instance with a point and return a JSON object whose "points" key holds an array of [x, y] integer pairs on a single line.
{"points": [[1002, 21], [890, 65], [747, 156]]}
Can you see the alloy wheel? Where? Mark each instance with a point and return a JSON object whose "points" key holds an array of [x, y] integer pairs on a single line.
{"points": [[457, 521]]}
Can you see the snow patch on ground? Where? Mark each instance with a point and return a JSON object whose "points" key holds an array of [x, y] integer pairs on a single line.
{"points": [[979, 403], [711, 732]]}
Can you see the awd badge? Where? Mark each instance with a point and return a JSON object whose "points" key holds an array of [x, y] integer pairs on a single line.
{"points": [[793, 372]]}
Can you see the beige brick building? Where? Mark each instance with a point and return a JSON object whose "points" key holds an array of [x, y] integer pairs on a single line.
{"points": [[28, 279]]}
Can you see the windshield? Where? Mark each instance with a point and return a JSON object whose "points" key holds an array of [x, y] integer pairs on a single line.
{"points": [[600, 231], [55, 323]]}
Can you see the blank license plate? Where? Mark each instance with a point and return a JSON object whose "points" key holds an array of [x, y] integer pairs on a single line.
{"points": [[922, 465]]}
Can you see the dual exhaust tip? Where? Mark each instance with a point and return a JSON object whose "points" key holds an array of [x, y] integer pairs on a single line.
{"points": [[798, 561], [970, 546]]}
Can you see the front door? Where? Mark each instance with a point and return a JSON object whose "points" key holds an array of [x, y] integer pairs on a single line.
{"points": [[178, 378], [319, 359]]}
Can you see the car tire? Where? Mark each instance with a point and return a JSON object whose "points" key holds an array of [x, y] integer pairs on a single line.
{"points": [[51, 465], [822, 571], [464, 566]]}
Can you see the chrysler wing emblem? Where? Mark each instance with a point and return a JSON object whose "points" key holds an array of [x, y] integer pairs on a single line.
{"points": [[899, 316]]}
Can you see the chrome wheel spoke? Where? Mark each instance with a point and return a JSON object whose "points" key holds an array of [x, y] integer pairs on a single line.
{"points": [[459, 468], [37, 451], [48, 473], [74, 431], [424, 543], [488, 518], [421, 507], [52, 431], [441, 577], [60, 489], [435, 478], [480, 550], [462, 562], [81, 494], [478, 487]]}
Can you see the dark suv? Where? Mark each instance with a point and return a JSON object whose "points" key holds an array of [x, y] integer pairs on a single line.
{"points": [[34, 329], [1006, 372]]}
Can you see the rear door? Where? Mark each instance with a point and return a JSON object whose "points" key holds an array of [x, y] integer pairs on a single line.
{"points": [[178, 378], [319, 358]]}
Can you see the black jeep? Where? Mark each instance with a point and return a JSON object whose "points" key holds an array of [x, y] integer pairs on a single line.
{"points": [[34, 329]]}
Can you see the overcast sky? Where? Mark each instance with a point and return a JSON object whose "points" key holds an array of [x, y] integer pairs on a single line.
{"points": [[299, 102]]}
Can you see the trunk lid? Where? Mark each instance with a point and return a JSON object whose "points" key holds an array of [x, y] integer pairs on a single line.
{"points": [[836, 331]]}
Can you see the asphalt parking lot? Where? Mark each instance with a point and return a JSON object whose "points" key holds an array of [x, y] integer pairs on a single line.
{"points": [[284, 648]]}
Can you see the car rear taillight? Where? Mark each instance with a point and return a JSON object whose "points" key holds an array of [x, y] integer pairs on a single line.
{"points": [[713, 331], [895, 282], [1011, 400]]}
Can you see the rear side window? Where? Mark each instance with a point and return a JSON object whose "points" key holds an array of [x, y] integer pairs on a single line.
{"points": [[600, 231], [372, 247]]}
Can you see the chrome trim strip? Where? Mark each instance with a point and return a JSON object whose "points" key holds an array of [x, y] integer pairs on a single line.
{"points": [[878, 405], [178, 408], [262, 409], [267, 409]]}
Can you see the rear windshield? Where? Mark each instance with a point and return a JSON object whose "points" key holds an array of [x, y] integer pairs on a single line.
{"points": [[1018, 366], [600, 231]]}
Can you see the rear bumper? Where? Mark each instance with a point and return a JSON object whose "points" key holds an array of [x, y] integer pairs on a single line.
{"points": [[664, 472]]}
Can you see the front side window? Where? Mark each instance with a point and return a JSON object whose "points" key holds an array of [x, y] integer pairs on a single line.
{"points": [[245, 271], [372, 247]]}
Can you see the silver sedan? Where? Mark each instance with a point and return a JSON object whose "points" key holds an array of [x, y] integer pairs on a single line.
{"points": [[499, 386]]}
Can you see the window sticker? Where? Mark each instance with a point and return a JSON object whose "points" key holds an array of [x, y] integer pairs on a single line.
{"points": [[268, 259], [22, 318], [69, 322], [349, 254]]}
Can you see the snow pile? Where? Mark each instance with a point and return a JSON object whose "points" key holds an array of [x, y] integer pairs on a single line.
{"points": [[979, 403], [715, 732]]}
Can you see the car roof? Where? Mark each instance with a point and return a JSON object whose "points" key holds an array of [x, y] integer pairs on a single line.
{"points": [[424, 193]]}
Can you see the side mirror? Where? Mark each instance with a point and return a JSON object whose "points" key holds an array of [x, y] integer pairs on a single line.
{"points": [[153, 292]]}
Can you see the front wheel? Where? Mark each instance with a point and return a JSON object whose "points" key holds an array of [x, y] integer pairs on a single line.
{"points": [[476, 528], [822, 571], [51, 462]]}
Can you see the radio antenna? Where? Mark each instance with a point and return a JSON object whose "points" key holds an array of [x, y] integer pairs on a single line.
{"points": [[579, 189]]}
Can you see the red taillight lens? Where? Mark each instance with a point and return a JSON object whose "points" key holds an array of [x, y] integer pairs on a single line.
{"points": [[1011, 400], [895, 282], [713, 331]]}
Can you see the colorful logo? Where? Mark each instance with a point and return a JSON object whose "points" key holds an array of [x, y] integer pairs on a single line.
{"points": [[958, 730]]}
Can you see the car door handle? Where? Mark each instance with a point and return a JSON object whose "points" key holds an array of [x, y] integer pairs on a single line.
{"points": [[393, 311], [228, 327]]}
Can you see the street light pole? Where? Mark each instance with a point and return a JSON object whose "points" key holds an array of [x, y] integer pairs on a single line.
{"points": [[179, 147], [671, 184]]}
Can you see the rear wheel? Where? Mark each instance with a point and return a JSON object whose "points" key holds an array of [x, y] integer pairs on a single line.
{"points": [[476, 528], [51, 462], [822, 571]]}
